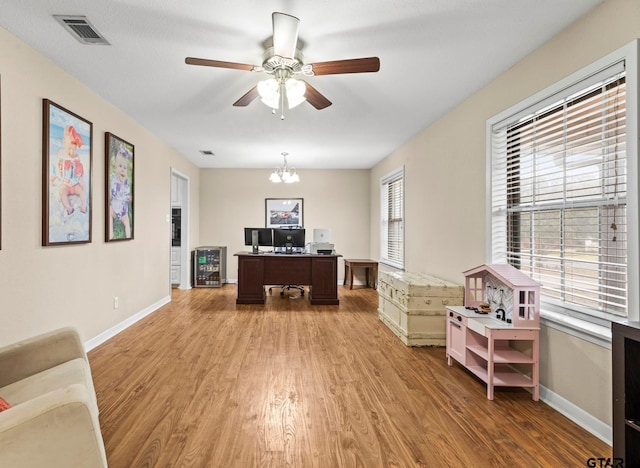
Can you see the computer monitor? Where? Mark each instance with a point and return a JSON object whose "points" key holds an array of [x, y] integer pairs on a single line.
{"points": [[289, 239], [265, 236], [322, 235]]}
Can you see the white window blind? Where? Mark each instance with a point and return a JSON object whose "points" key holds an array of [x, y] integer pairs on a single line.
{"points": [[559, 195], [392, 216]]}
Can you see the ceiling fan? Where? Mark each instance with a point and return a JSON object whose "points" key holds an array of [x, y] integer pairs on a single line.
{"points": [[282, 62]]}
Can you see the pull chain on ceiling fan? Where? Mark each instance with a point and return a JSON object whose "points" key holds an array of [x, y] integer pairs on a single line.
{"points": [[282, 62]]}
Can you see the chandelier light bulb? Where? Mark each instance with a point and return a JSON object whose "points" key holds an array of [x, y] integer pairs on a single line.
{"points": [[292, 176], [275, 178]]}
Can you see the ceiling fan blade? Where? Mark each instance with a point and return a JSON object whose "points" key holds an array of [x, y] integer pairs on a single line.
{"points": [[336, 67], [221, 64], [313, 96], [285, 34], [248, 97]]}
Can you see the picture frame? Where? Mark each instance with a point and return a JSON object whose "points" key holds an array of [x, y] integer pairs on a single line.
{"points": [[279, 212], [119, 188], [67, 146], [0, 165]]}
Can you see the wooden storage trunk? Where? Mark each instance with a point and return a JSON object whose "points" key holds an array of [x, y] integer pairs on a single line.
{"points": [[413, 306]]}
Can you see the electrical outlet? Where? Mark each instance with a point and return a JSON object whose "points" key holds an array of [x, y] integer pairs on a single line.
{"points": [[115, 302]]}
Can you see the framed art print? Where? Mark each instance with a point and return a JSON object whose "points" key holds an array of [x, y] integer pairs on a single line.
{"points": [[281, 212], [119, 160], [66, 176], [0, 173]]}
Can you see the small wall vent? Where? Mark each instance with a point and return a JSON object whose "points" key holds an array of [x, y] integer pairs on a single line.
{"points": [[82, 29]]}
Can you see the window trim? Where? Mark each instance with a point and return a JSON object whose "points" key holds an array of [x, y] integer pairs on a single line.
{"points": [[586, 327], [390, 177]]}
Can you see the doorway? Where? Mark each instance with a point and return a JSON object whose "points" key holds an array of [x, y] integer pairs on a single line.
{"points": [[179, 239]]}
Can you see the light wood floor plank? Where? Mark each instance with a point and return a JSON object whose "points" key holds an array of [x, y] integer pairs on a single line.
{"points": [[203, 382]]}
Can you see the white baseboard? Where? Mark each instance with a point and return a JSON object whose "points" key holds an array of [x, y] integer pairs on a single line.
{"points": [[113, 331], [599, 429]]}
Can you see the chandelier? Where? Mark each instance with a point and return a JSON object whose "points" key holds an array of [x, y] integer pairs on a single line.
{"points": [[285, 174]]}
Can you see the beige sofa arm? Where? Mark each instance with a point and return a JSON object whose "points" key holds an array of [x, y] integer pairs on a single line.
{"points": [[33, 355], [57, 430]]}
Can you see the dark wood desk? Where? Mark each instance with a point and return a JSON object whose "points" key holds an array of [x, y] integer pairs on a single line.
{"points": [[370, 266], [319, 272]]}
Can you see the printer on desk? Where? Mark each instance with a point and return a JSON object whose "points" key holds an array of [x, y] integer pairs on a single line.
{"points": [[321, 243], [323, 248]]}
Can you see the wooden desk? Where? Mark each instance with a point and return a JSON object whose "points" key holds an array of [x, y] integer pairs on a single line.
{"points": [[319, 272], [370, 266]]}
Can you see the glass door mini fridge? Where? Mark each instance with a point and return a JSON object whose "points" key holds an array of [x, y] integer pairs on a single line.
{"points": [[209, 267]]}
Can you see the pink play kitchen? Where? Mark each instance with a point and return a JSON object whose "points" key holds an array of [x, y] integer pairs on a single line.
{"points": [[495, 335]]}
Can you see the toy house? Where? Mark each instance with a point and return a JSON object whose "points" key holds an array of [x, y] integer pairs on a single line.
{"points": [[507, 290]]}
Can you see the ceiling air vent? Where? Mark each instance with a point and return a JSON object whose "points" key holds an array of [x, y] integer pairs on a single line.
{"points": [[207, 152], [82, 29]]}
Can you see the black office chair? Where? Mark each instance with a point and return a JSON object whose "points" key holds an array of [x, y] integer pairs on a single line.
{"points": [[289, 249], [287, 287]]}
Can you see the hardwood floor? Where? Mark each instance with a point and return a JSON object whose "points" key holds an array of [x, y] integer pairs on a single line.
{"points": [[205, 383]]}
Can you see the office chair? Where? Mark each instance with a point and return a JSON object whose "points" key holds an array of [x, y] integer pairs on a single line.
{"points": [[287, 287], [289, 249]]}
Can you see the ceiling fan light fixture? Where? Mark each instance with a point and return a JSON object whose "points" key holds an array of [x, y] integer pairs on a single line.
{"points": [[269, 92], [295, 92], [283, 60], [274, 103], [268, 88]]}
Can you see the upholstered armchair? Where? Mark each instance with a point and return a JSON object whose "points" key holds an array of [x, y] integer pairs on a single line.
{"points": [[51, 418]]}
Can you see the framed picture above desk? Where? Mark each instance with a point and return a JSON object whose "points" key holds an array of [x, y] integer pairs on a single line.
{"points": [[283, 212]]}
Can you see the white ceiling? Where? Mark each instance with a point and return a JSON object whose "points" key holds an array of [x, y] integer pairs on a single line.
{"points": [[433, 55]]}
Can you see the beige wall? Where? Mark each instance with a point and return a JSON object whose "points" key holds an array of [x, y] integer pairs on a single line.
{"points": [[445, 188], [46, 287], [232, 199]]}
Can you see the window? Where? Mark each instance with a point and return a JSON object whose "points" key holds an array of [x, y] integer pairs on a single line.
{"points": [[392, 216], [559, 195]]}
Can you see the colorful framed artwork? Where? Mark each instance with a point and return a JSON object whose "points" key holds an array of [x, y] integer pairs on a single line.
{"points": [[283, 212], [119, 170], [66, 176]]}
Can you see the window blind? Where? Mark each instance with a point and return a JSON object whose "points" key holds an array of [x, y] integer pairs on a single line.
{"points": [[559, 188], [392, 216]]}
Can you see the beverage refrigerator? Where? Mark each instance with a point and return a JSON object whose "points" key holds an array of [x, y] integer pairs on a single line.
{"points": [[209, 266]]}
